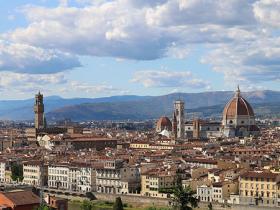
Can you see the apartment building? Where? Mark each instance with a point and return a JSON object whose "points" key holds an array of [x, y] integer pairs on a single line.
{"points": [[116, 176], [259, 188], [78, 177], [204, 193], [58, 176], [82, 177], [156, 182], [2, 171], [221, 191], [35, 173]]}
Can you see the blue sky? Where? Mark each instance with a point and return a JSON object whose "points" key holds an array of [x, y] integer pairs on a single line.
{"points": [[95, 48]]}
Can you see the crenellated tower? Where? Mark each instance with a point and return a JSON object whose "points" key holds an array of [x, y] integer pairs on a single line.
{"points": [[39, 111]]}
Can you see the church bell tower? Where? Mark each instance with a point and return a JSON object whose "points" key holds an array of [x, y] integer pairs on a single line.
{"points": [[39, 111], [179, 115]]}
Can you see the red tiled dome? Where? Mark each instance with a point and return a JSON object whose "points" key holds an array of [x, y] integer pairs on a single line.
{"points": [[237, 106], [164, 122]]}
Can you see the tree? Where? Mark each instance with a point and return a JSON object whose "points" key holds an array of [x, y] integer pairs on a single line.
{"points": [[43, 207], [17, 172], [184, 198], [210, 206], [118, 205], [86, 205], [90, 196]]}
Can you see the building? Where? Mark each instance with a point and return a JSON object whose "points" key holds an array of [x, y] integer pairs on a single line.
{"points": [[57, 203], [35, 173], [2, 171], [221, 191], [117, 177], [204, 193], [259, 188], [163, 124], [179, 115], [58, 176], [82, 177], [238, 121], [155, 183], [77, 177], [85, 142], [39, 111], [19, 200], [239, 118], [202, 129], [202, 162]]}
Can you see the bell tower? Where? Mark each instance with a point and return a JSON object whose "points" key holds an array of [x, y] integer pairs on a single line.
{"points": [[179, 114], [39, 111]]}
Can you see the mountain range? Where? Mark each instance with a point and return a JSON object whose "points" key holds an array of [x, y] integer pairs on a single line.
{"points": [[204, 104]]}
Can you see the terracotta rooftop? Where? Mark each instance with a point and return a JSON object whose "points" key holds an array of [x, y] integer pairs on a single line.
{"points": [[20, 198]]}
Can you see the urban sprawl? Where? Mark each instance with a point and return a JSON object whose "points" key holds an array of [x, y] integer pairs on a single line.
{"points": [[234, 161]]}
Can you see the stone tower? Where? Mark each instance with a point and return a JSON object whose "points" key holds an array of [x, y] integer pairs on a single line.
{"points": [[179, 109], [39, 111], [174, 125]]}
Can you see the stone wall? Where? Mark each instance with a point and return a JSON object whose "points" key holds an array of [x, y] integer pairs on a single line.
{"points": [[134, 199]]}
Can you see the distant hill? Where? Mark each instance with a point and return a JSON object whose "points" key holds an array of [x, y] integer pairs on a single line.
{"points": [[206, 104], [23, 109]]}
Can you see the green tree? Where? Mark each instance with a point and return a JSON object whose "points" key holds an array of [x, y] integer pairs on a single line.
{"points": [[118, 205], [210, 206], [86, 205], [184, 198], [90, 196], [43, 207], [17, 172]]}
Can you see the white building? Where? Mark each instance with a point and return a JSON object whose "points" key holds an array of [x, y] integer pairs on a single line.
{"points": [[82, 178], [217, 192], [78, 177], [34, 173], [2, 171], [204, 193], [58, 176]]}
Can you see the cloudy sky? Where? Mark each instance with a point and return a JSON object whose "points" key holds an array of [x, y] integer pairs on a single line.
{"points": [[94, 48]]}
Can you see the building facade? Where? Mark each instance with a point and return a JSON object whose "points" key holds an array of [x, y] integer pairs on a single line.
{"points": [[35, 173], [116, 177]]}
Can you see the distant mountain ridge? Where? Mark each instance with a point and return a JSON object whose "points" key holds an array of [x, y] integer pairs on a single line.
{"points": [[204, 104]]}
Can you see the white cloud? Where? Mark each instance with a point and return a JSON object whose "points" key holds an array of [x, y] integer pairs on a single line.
{"points": [[24, 58], [254, 62], [28, 84], [268, 12], [118, 29], [239, 34], [155, 78], [90, 89], [16, 82]]}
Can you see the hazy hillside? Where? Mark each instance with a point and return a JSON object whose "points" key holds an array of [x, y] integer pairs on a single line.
{"points": [[23, 109], [207, 104], [136, 107]]}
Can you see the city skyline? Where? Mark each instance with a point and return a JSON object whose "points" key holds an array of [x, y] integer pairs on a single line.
{"points": [[84, 48]]}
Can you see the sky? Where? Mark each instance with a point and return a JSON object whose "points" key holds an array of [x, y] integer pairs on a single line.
{"points": [[97, 48]]}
